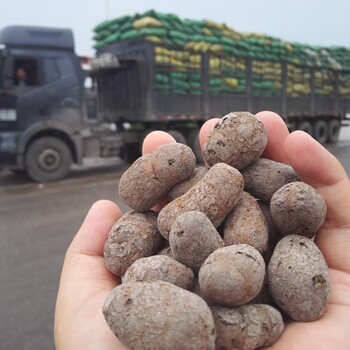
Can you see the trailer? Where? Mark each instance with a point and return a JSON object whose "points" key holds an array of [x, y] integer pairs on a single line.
{"points": [[128, 95]]}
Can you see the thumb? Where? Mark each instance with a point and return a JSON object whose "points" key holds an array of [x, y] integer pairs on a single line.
{"points": [[93, 232], [84, 269], [85, 281], [84, 258]]}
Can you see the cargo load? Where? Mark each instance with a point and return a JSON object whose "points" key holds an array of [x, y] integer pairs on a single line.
{"points": [[180, 42]]}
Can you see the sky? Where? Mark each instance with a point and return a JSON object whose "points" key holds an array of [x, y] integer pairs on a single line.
{"points": [[315, 22]]}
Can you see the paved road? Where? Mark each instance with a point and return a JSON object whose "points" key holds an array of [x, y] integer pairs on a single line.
{"points": [[37, 224]]}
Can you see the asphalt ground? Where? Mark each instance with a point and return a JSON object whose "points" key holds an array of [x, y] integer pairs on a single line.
{"points": [[37, 223]]}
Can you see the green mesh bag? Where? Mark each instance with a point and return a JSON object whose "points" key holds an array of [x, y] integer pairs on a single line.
{"points": [[102, 26], [112, 38], [131, 34], [153, 31]]}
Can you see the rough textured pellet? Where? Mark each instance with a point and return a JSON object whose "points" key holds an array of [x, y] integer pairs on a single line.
{"points": [[215, 195], [152, 175], [264, 177], [135, 235], [160, 267], [193, 238], [246, 223], [298, 278], [238, 139], [159, 315], [297, 208], [181, 188], [232, 275], [247, 327]]}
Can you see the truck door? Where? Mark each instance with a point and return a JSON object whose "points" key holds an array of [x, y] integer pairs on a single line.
{"points": [[8, 101], [23, 79]]}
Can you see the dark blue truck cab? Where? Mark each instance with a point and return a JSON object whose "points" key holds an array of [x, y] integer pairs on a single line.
{"points": [[44, 121]]}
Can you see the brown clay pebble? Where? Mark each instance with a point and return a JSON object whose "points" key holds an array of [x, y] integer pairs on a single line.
{"points": [[135, 235], [159, 315], [215, 195], [193, 238], [247, 327], [217, 234], [246, 224], [297, 208], [233, 275], [298, 278], [265, 176], [152, 175], [182, 187], [160, 267], [238, 139]]}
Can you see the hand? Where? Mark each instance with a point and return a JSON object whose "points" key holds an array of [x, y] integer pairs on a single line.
{"points": [[85, 282], [320, 169]]}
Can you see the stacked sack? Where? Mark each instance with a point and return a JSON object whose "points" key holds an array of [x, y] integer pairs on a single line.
{"points": [[179, 44]]}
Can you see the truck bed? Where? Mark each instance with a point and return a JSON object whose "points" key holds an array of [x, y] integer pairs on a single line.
{"points": [[130, 93]]}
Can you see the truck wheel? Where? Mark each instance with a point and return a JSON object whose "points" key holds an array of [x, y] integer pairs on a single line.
{"points": [[193, 142], [333, 131], [178, 136], [321, 131], [306, 126], [48, 159]]}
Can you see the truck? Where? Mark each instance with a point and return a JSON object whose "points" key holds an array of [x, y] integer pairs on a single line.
{"points": [[54, 120]]}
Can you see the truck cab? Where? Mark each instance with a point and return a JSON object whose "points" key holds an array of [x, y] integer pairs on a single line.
{"points": [[42, 101]]}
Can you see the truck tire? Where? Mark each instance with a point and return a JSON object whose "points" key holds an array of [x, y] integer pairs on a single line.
{"points": [[48, 159], [321, 131], [333, 131], [193, 142], [306, 126], [178, 136]]}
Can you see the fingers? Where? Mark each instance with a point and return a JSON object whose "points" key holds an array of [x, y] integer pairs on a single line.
{"points": [[320, 169], [95, 228], [205, 130], [155, 139], [84, 262], [277, 132], [84, 276]]}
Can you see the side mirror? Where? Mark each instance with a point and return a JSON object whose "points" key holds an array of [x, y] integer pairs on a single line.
{"points": [[3, 50]]}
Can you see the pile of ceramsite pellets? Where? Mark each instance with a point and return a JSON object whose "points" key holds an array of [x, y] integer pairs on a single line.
{"points": [[229, 260]]}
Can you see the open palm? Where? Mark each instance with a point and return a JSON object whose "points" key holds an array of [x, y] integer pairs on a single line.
{"points": [[85, 282]]}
